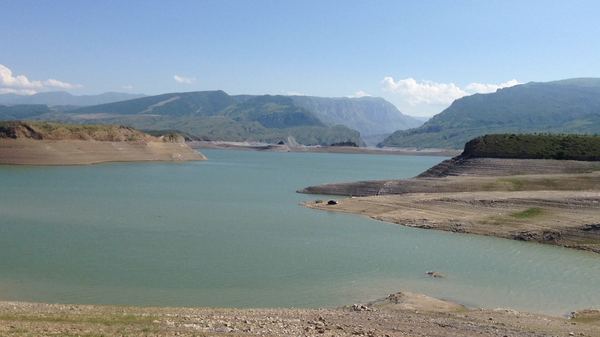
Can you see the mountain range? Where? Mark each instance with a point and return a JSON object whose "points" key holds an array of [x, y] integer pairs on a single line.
{"points": [[65, 99], [215, 115], [566, 106]]}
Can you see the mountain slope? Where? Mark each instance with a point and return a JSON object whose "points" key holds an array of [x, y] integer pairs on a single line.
{"points": [[373, 117], [215, 115], [199, 103], [25, 111], [567, 106], [63, 98], [272, 112]]}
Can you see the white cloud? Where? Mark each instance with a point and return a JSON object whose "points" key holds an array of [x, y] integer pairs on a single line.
{"points": [[433, 93], [17, 91], [295, 93], [184, 80], [127, 87], [20, 84], [426, 92], [484, 88], [359, 94]]}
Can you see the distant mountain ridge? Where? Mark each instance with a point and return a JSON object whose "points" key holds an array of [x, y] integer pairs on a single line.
{"points": [[373, 117], [215, 115], [62, 98], [566, 106]]}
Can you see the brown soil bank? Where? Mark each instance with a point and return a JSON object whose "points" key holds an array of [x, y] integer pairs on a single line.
{"points": [[544, 200], [38, 143], [401, 314]]}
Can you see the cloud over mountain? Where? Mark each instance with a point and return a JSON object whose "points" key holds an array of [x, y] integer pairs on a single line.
{"points": [[20, 84], [434, 93]]}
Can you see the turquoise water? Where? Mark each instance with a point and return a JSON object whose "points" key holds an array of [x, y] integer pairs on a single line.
{"points": [[230, 232]]}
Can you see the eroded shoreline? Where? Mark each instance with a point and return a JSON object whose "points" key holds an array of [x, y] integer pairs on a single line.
{"points": [[399, 314]]}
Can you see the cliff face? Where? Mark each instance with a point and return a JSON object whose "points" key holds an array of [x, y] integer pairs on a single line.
{"points": [[61, 144]]}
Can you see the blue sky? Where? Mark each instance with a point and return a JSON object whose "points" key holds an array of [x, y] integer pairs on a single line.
{"points": [[419, 54]]}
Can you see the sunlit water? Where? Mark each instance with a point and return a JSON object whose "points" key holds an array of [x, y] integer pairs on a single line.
{"points": [[230, 232]]}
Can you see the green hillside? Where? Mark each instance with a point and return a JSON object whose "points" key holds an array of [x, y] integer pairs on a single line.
{"points": [[272, 112], [26, 111], [568, 106], [535, 146], [201, 103]]}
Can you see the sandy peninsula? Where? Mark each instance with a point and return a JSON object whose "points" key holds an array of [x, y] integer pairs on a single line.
{"points": [[41, 143], [547, 201]]}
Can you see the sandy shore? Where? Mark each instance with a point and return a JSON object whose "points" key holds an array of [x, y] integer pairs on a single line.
{"points": [[322, 149], [80, 152], [401, 314]]}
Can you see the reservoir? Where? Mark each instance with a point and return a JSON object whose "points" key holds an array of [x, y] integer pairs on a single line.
{"points": [[231, 232]]}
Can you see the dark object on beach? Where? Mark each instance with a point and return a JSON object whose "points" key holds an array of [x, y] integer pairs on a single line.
{"points": [[318, 201], [348, 143], [435, 274], [332, 202], [281, 142]]}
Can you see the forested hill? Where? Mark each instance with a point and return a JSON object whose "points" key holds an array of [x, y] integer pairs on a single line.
{"points": [[567, 106]]}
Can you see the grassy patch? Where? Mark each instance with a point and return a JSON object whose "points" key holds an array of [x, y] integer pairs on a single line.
{"points": [[105, 320], [528, 213], [516, 184]]}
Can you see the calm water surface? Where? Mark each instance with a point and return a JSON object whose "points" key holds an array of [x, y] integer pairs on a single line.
{"points": [[230, 232]]}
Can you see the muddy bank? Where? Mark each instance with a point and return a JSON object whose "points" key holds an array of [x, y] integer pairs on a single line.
{"points": [[401, 314]]}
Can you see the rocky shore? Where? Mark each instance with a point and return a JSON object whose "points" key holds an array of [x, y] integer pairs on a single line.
{"points": [[400, 314]]}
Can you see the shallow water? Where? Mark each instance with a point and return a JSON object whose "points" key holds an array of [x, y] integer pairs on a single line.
{"points": [[230, 232]]}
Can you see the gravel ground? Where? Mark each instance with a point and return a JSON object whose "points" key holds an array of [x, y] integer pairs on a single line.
{"points": [[401, 314]]}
